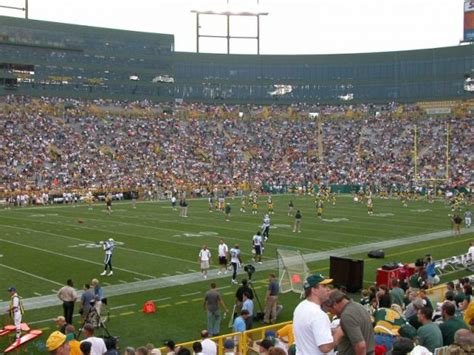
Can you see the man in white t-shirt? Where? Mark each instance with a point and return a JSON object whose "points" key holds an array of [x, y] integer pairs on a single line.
{"points": [[98, 344], [223, 253], [204, 259], [311, 325]]}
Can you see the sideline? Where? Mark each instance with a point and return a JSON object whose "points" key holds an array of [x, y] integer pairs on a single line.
{"points": [[163, 282]]}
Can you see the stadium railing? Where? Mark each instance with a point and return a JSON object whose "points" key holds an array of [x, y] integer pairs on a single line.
{"points": [[245, 342]]}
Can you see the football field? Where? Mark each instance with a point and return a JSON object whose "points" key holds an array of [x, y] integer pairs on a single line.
{"points": [[156, 257]]}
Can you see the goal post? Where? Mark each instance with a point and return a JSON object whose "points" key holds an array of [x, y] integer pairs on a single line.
{"points": [[292, 270]]}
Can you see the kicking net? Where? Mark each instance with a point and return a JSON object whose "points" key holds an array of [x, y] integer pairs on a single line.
{"points": [[292, 270]]}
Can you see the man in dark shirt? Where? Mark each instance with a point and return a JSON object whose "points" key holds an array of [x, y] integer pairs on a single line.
{"points": [[450, 323], [358, 336], [271, 300]]}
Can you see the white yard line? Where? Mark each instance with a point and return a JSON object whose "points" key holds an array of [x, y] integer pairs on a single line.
{"points": [[30, 274], [72, 257]]}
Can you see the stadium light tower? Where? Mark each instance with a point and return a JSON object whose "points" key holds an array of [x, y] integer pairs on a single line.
{"points": [[228, 14], [25, 9]]}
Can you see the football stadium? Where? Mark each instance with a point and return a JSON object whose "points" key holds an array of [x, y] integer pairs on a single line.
{"points": [[154, 201]]}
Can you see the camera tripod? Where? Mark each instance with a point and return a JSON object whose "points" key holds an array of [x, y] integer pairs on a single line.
{"points": [[94, 318]]}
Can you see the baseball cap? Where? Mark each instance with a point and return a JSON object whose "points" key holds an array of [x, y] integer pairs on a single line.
{"points": [[316, 279], [59, 319], [55, 340], [11, 289], [270, 334], [229, 344], [170, 344], [265, 343], [204, 333]]}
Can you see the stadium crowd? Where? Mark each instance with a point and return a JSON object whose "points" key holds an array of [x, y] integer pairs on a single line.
{"points": [[53, 143], [398, 320]]}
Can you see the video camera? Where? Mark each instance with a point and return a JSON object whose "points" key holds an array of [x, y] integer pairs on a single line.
{"points": [[250, 270]]}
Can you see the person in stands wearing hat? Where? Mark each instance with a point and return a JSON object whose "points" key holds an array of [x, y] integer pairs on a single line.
{"points": [[16, 310], [355, 321], [264, 346], [229, 347], [98, 344], [311, 325], [57, 343], [61, 324]]}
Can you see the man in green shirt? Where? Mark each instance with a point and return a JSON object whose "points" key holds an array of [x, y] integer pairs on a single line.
{"points": [[429, 335], [450, 323]]}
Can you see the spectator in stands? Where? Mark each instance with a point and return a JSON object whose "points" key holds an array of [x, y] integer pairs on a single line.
{"points": [[264, 346], [450, 323], [276, 351], [209, 347], [286, 335], [129, 350], [170, 347], [355, 322], [229, 347], [463, 342], [311, 325], [74, 344], [383, 297], [410, 310], [57, 343], [426, 300], [86, 347], [396, 293], [183, 351], [141, 351], [429, 335], [402, 346], [61, 324], [197, 348]]}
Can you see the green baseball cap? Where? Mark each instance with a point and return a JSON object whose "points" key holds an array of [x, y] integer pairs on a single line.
{"points": [[316, 279]]}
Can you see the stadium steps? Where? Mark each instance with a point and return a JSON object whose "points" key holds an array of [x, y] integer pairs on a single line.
{"points": [[185, 279]]}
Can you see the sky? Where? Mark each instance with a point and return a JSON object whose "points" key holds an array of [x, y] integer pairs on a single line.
{"points": [[291, 27]]}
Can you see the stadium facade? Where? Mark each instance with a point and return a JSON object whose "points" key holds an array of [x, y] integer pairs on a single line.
{"points": [[41, 58]]}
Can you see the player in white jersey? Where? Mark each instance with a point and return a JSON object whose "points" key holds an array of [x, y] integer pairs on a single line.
{"points": [[266, 227], [223, 253], [235, 261], [468, 218], [257, 243], [204, 259], [108, 246]]}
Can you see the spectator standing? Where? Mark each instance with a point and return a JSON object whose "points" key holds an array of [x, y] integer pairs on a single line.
{"points": [[429, 334], [74, 344], [311, 325], [450, 324], [356, 324], [68, 295], [271, 300], [212, 303], [229, 347]]}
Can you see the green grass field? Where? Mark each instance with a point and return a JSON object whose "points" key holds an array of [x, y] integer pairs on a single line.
{"points": [[42, 247]]}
